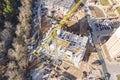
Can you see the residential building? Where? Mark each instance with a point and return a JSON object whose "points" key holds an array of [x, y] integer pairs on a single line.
{"points": [[113, 45], [68, 47]]}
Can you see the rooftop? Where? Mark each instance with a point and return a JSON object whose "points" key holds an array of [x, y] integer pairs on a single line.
{"points": [[68, 47], [64, 3], [118, 32], [71, 42]]}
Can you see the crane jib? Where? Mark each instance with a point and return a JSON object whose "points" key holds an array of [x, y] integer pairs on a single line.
{"points": [[59, 26]]}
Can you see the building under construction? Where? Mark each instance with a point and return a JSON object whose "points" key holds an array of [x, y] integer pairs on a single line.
{"points": [[68, 46], [59, 46], [60, 53]]}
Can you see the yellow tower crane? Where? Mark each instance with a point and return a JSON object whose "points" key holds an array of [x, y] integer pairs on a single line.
{"points": [[59, 26]]}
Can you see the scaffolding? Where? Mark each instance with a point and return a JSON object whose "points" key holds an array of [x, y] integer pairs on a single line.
{"points": [[68, 46]]}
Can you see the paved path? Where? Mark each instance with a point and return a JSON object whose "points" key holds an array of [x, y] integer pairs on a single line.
{"points": [[113, 67], [102, 61]]}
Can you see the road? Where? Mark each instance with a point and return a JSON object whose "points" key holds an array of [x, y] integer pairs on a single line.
{"points": [[100, 56], [104, 67], [112, 66], [114, 69]]}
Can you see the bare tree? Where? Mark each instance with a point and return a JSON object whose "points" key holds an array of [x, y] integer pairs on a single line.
{"points": [[18, 62], [13, 72], [8, 24], [18, 56]]}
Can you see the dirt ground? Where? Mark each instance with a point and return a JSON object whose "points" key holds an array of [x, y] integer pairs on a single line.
{"points": [[97, 12], [45, 25], [77, 23], [84, 66]]}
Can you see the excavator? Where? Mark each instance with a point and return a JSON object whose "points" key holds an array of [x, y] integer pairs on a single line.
{"points": [[59, 26]]}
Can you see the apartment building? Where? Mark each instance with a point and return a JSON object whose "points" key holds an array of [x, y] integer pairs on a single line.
{"points": [[68, 47], [113, 45]]}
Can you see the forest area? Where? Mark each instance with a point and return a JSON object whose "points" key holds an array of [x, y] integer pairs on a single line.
{"points": [[15, 26]]}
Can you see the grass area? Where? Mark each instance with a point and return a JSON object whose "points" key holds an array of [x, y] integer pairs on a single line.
{"points": [[118, 9], [112, 15], [104, 2], [118, 77]]}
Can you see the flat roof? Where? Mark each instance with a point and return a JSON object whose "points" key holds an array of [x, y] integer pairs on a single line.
{"points": [[71, 42], [118, 32], [65, 3], [61, 43]]}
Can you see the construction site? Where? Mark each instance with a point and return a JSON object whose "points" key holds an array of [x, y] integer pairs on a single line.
{"points": [[64, 51]]}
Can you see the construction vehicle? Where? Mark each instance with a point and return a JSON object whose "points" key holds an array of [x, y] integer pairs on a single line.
{"points": [[59, 26]]}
